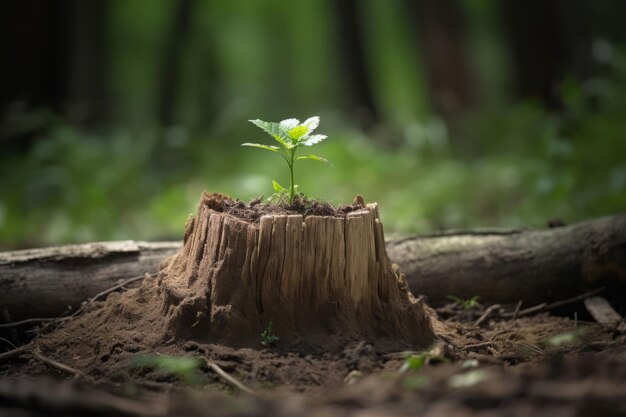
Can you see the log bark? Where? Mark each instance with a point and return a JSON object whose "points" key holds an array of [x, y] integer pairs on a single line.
{"points": [[502, 266], [49, 282], [310, 276], [534, 266]]}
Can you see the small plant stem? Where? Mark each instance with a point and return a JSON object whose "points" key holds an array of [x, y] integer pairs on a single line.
{"points": [[292, 189]]}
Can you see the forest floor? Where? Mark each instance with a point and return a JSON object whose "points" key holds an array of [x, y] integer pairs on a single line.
{"points": [[488, 364]]}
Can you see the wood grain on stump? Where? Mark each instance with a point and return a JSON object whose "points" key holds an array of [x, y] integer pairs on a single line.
{"points": [[305, 274]]}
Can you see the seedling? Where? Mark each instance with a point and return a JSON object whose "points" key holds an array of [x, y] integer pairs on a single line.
{"points": [[467, 304], [184, 368], [415, 362], [292, 135], [268, 338]]}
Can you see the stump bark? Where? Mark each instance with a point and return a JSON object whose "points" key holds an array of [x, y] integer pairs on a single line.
{"points": [[307, 275]]}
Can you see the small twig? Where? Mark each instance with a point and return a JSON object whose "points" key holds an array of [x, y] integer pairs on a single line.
{"points": [[57, 365], [29, 321], [486, 314], [35, 352], [517, 307], [530, 310], [231, 380], [499, 332], [118, 286], [77, 312], [546, 307], [8, 342], [476, 345], [108, 291], [15, 352]]}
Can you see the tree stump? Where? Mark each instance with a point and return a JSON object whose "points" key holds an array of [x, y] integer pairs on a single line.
{"points": [[309, 275]]}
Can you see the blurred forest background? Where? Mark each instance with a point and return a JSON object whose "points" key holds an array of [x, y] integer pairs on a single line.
{"points": [[115, 115]]}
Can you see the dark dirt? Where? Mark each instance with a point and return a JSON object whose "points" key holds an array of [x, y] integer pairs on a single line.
{"points": [[503, 367], [255, 209]]}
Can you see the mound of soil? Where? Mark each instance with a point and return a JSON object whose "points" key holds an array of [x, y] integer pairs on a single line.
{"points": [[503, 367]]}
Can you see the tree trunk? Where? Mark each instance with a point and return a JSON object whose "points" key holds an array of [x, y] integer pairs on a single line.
{"points": [[353, 60], [440, 26], [529, 265], [307, 275], [539, 55], [174, 48]]}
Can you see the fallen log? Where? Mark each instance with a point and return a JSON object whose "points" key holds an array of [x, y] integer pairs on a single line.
{"points": [[501, 266], [49, 282], [534, 266]]}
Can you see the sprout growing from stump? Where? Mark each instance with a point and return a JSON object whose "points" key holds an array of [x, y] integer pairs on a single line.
{"points": [[291, 134]]}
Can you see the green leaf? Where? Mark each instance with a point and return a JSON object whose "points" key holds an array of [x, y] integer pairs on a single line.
{"points": [[277, 187], [415, 382], [298, 131], [565, 338], [314, 158], [185, 368], [415, 363], [258, 145], [313, 139], [274, 130], [467, 379]]}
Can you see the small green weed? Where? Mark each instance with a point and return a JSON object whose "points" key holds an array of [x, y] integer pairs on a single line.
{"points": [[268, 338], [291, 134], [565, 338], [415, 362], [184, 368], [415, 382], [467, 304]]}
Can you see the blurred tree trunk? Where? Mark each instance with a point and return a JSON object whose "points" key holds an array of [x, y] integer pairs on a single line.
{"points": [[88, 90], [54, 56], [35, 54], [440, 27], [173, 51], [353, 60], [538, 49]]}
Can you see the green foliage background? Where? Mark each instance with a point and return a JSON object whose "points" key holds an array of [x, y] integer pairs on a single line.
{"points": [[506, 163]]}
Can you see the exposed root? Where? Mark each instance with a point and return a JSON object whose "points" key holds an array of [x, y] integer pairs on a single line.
{"points": [[229, 379], [16, 352], [476, 345], [56, 320], [35, 353], [57, 365], [121, 285]]}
